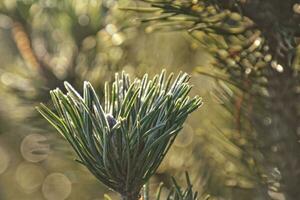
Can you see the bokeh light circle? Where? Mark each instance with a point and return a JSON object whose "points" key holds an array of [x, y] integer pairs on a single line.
{"points": [[185, 137], [29, 176], [56, 187], [34, 148], [4, 160]]}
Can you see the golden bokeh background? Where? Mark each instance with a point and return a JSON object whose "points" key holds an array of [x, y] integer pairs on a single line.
{"points": [[44, 42]]}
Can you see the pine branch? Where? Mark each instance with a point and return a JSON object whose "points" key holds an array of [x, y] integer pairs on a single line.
{"points": [[123, 142], [178, 193], [255, 44]]}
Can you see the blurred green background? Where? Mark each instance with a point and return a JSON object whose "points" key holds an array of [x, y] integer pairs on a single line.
{"points": [[45, 42]]}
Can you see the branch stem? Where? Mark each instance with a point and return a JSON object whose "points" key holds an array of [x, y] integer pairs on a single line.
{"points": [[130, 197]]}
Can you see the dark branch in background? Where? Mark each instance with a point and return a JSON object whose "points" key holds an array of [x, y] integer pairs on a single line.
{"points": [[255, 45], [278, 20]]}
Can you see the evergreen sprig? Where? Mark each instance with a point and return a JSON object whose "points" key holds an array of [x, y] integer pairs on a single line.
{"points": [[123, 142], [178, 193]]}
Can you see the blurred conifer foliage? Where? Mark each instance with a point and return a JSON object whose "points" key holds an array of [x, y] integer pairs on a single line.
{"points": [[255, 44], [62, 40], [70, 40]]}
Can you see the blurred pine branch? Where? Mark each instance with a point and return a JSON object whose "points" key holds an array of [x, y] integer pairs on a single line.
{"points": [[256, 46], [63, 42]]}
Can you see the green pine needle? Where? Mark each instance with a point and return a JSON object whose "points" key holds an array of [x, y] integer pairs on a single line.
{"points": [[179, 193], [123, 142]]}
